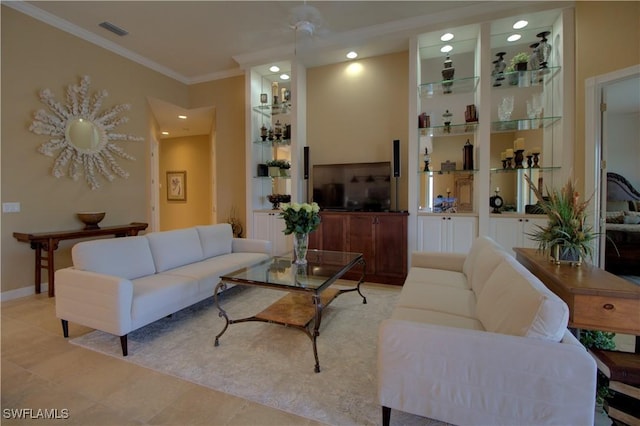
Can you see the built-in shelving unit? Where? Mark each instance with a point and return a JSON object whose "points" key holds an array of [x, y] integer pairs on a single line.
{"points": [[275, 132], [541, 100]]}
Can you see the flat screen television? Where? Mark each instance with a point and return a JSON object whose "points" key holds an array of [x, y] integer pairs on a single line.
{"points": [[353, 186]]}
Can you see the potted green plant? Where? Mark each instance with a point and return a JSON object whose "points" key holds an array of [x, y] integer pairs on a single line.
{"points": [[285, 167], [274, 167], [512, 75], [566, 236], [596, 339], [519, 61]]}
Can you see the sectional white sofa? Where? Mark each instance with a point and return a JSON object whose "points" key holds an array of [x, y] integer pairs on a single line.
{"points": [[121, 284], [479, 340]]}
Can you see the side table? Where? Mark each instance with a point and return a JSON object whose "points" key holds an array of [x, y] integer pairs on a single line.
{"points": [[46, 243]]}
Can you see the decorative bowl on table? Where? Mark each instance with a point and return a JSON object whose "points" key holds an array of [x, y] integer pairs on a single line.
{"points": [[91, 219]]}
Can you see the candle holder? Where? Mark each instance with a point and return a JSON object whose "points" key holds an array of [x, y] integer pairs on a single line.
{"points": [[427, 160], [529, 160], [519, 158], [447, 122], [536, 159], [508, 159]]}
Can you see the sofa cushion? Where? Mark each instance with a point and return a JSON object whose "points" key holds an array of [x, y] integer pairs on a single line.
{"points": [[486, 262], [207, 272], [515, 302], [435, 318], [215, 239], [174, 248], [162, 294], [439, 298], [127, 257], [483, 257], [437, 277]]}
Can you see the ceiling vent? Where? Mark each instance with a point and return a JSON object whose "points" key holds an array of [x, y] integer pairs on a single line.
{"points": [[113, 28]]}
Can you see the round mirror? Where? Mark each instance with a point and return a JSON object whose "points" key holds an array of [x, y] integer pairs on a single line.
{"points": [[83, 134]]}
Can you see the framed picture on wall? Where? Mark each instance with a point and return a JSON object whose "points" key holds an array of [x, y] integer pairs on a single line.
{"points": [[177, 186]]}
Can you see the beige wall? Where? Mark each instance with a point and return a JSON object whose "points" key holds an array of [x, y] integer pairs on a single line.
{"points": [[354, 117], [192, 155], [36, 56], [607, 39], [227, 96]]}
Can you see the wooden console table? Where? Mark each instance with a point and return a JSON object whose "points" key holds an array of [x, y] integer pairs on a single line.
{"points": [[597, 299], [46, 243]]}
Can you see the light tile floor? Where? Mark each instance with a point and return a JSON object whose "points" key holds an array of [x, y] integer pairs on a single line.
{"points": [[41, 370]]}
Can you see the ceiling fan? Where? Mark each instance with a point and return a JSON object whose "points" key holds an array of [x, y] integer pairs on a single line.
{"points": [[306, 20]]}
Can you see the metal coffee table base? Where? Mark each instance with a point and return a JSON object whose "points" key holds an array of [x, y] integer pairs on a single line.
{"points": [[297, 310]]}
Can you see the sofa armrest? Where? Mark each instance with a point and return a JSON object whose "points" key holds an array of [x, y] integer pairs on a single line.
{"points": [[438, 260], [95, 300], [249, 245], [464, 376]]}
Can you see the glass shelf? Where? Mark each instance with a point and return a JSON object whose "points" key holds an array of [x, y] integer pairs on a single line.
{"points": [[452, 129], [438, 88], [272, 177], [267, 110], [533, 77], [275, 142], [446, 172], [513, 170], [523, 124]]}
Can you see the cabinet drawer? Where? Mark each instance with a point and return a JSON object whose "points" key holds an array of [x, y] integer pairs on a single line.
{"points": [[603, 313]]}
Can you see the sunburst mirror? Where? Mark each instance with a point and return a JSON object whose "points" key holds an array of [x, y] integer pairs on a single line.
{"points": [[82, 136]]}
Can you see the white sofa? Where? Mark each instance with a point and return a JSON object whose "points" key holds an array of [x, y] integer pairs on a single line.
{"points": [[121, 284], [479, 340]]}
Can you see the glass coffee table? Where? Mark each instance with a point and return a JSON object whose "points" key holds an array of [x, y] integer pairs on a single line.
{"points": [[307, 286]]}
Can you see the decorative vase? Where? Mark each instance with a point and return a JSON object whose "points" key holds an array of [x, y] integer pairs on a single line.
{"points": [[447, 74], [560, 256], [300, 246], [544, 49]]}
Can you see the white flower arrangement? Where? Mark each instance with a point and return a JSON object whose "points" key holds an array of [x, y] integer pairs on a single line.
{"points": [[300, 218]]}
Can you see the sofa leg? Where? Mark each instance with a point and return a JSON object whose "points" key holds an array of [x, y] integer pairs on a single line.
{"points": [[123, 343], [65, 327], [386, 416]]}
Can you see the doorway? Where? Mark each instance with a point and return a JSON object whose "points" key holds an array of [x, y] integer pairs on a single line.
{"points": [[183, 154], [612, 140]]}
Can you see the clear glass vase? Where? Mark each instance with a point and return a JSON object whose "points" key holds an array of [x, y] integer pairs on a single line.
{"points": [[300, 246]]}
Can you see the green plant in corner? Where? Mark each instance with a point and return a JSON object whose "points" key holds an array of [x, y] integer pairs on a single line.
{"points": [[566, 232], [596, 339]]}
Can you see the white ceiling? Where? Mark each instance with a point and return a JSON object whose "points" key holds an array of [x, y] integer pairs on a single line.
{"points": [[196, 41]]}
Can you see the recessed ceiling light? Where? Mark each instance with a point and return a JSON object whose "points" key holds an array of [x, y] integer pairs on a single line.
{"points": [[446, 37], [520, 24], [352, 55], [284, 77], [274, 68], [182, 117], [447, 48], [514, 37], [165, 133]]}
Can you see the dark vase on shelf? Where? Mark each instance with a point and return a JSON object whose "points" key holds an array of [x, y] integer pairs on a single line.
{"points": [[500, 65], [467, 157], [447, 74], [521, 66]]}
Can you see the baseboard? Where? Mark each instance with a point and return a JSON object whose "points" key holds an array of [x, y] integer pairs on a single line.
{"points": [[22, 292]]}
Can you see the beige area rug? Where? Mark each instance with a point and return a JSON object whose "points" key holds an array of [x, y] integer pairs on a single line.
{"points": [[271, 364]]}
